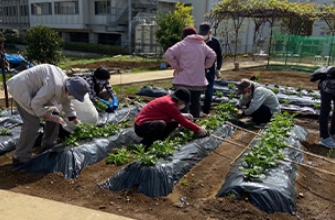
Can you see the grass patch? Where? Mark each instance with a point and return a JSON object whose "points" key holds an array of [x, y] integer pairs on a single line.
{"points": [[71, 60]]}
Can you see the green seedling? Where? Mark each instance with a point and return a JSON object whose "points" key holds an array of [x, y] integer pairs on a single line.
{"points": [[286, 102], [275, 90], [120, 157], [317, 105], [269, 149], [231, 196], [4, 131], [309, 90], [299, 94], [299, 88], [315, 96], [184, 182], [288, 92], [231, 86], [330, 152], [218, 93]]}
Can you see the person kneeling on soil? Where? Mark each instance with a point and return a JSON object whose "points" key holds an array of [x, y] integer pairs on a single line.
{"points": [[261, 103], [98, 81], [37, 91], [162, 115]]}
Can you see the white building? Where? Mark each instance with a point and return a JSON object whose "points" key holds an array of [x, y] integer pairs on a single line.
{"points": [[112, 22]]}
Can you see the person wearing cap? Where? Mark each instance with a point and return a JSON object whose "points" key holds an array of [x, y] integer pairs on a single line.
{"points": [[261, 103], [98, 81], [189, 58], [37, 91], [162, 115], [214, 70]]}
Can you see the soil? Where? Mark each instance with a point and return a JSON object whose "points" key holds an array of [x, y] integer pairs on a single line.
{"points": [[315, 195]]}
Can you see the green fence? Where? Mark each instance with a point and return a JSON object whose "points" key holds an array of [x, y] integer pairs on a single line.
{"points": [[305, 52]]}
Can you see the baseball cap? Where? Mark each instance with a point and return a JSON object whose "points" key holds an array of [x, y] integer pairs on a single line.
{"points": [[204, 28], [242, 85], [78, 87]]}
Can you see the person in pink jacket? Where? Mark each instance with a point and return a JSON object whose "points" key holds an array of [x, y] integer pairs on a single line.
{"points": [[189, 58]]}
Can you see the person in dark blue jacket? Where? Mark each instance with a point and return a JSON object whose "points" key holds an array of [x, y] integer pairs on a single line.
{"points": [[214, 71]]}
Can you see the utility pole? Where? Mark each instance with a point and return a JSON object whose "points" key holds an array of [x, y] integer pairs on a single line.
{"points": [[3, 65], [129, 25]]}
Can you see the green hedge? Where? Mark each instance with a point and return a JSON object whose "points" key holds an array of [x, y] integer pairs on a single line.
{"points": [[95, 48], [15, 40]]}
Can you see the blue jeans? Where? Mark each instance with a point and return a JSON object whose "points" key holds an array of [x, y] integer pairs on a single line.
{"points": [[210, 76], [326, 100]]}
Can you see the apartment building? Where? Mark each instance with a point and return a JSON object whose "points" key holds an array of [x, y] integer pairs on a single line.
{"points": [[14, 14], [94, 21]]}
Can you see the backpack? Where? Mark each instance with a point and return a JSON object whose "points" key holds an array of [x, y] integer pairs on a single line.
{"points": [[326, 72]]}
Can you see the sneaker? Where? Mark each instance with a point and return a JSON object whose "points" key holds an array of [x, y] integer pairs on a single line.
{"points": [[260, 125], [328, 142], [17, 161]]}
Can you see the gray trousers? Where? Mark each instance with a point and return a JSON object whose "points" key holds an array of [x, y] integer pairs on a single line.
{"points": [[28, 135]]}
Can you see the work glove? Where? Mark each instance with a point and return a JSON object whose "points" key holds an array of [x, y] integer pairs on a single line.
{"points": [[109, 110], [188, 116], [202, 132], [55, 119]]}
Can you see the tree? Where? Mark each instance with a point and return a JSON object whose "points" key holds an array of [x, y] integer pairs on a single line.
{"points": [[43, 45], [171, 25]]}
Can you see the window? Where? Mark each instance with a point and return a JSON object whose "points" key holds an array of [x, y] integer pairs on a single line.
{"points": [[41, 9], [24, 10], [62, 8], [101, 7]]}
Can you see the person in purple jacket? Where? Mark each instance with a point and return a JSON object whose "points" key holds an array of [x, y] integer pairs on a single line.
{"points": [[189, 58]]}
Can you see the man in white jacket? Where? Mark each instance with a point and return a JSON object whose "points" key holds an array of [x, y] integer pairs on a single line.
{"points": [[258, 102], [37, 91]]}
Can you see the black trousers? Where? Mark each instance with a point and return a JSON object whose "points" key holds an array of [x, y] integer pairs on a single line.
{"points": [[152, 131], [261, 115], [326, 101]]}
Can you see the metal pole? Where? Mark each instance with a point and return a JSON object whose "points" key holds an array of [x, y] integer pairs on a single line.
{"points": [[2, 53], [129, 25]]}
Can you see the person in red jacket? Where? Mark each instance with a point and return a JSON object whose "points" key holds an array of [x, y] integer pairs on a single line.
{"points": [[162, 115]]}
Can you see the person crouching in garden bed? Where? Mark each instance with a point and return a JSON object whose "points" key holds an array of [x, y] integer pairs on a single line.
{"points": [[257, 101], [162, 115]]}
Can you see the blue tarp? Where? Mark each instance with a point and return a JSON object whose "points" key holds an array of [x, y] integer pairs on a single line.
{"points": [[15, 61]]}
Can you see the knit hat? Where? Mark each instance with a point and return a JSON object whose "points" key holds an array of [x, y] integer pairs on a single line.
{"points": [[242, 85], [78, 87], [102, 73], [188, 31], [182, 94]]}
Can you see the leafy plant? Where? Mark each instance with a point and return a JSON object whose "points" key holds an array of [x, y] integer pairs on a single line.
{"points": [[315, 96], [289, 92], [269, 149], [44, 45], [330, 152], [299, 88], [4, 131], [317, 105], [89, 131], [309, 90], [184, 182], [275, 90], [120, 157], [231, 86], [218, 93], [299, 94], [286, 102]]}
